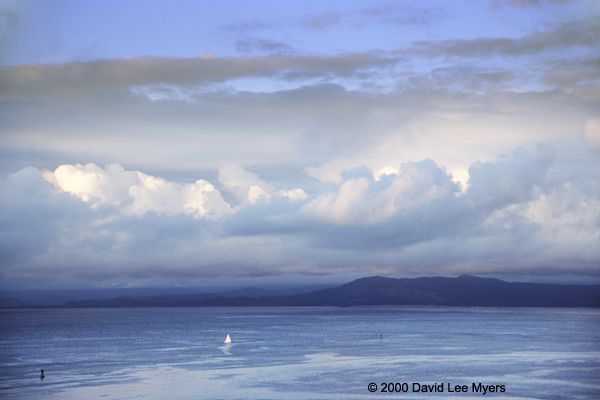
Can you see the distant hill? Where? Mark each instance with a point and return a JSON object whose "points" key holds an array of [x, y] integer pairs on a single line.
{"points": [[55, 298], [463, 291]]}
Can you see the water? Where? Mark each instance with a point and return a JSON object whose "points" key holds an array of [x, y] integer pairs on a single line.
{"points": [[298, 353]]}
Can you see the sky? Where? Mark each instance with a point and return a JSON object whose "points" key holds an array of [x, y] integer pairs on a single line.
{"points": [[192, 143]]}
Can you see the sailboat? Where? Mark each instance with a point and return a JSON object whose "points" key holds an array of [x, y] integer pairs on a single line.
{"points": [[228, 339]]}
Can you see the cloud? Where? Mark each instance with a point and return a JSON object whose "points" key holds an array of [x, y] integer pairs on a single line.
{"points": [[592, 130], [258, 45], [404, 14], [155, 194], [32, 219], [569, 224], [248, 26], [9, 19], [527, 3], [510, 181], [520, 210], [584, 33], [535, 211], [400, 15], [420, 159], [361, 199], [246, 186], [322, 21], [135, 192], [573, 73], [25, 81], [86, 222], [322, 128], [92, 183], [249, 189]]}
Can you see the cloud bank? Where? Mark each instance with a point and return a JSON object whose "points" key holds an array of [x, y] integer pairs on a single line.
{"points": [[521, 213]]}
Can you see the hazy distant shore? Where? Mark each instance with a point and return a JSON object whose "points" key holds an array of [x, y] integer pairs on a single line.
{"points": [[463, 291]]}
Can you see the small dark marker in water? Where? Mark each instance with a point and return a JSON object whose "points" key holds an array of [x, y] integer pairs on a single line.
{"points": [[42, 375], [380, 336]]}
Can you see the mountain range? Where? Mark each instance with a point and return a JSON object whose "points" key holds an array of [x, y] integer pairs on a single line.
{"points": [[463, 291]]}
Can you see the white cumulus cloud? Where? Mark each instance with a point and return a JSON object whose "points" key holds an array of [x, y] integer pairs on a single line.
{"points": [[137, 193], [362, 199], [248, 188]]}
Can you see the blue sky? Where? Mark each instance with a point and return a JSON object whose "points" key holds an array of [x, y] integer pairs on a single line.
{"points": [[41, 32], [195, 143]]}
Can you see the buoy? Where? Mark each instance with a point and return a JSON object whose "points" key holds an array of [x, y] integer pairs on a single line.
{"points": [[380, 336], [42, 375]]}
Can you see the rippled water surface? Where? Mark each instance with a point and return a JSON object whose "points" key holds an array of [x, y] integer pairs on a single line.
{"points": [[299, 353]]}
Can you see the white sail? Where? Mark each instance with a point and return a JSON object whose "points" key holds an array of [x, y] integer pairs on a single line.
{"points": [[228, 340]]}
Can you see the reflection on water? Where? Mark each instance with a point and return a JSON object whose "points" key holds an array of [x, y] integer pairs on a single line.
{"points": [[297, 353]]}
